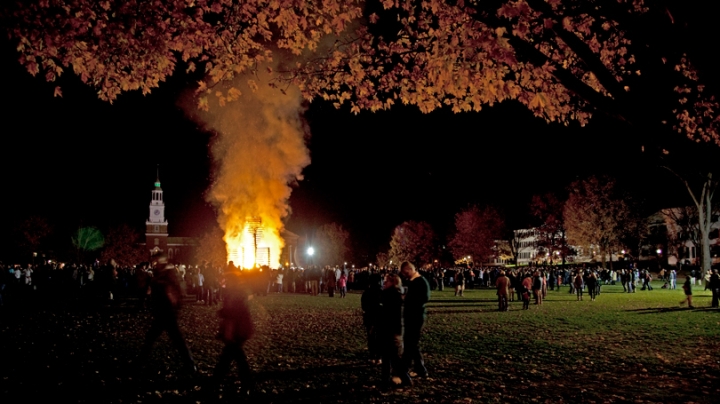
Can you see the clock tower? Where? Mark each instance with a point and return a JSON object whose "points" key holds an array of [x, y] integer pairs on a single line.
{"points": [[156, 227]]}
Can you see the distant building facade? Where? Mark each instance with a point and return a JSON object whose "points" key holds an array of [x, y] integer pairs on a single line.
{"points": [[157, 238], [672, 234]]}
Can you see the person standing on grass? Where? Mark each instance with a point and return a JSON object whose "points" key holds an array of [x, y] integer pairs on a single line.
{"points": [[525, 295], [687, 288], [416, 296], [330, 281], [714, 285], [673, 279], [390, 332], [342, 285], [459, 282], [578, 285], [503, 287], [537, 287], [527, 282]]}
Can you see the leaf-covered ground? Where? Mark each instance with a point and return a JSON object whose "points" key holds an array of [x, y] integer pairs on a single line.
{"points": [[622, 348]]}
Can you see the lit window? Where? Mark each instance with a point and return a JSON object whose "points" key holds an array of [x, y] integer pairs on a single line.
{"points": [[157, 241]]}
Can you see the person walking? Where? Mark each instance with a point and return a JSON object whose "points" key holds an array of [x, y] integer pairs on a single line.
{"points": [[236, 327], [417, 295], [591, 286], [687, 288], [166, 300]]}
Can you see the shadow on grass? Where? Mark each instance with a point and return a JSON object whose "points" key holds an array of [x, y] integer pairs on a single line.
{"points": [[441, 306], [458, 300], [655, 310], [486, 309]]}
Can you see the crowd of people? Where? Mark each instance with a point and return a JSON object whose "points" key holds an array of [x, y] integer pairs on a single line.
{"points": [[103, 282], [393, 299]]}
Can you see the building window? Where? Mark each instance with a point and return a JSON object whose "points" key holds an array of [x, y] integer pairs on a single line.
{"points": [[157, 241], [170, 253], [156, 228]]}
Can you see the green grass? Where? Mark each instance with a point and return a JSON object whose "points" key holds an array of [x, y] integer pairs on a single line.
{"points": [[639, 347]]}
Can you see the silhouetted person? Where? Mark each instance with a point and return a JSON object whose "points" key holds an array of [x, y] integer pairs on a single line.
{"points": [[166, 299], [236, 327], [417, 295], [390, 331], [714, 286]]}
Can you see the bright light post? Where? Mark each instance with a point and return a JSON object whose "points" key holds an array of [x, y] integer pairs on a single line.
{"points": [[310, 253]]}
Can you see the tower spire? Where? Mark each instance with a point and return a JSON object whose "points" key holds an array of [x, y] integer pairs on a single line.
{"points": [[157, 178]]}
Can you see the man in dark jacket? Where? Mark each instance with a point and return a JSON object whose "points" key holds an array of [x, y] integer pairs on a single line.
{"points": [[416, 296], [714, 286], [166, 298]]}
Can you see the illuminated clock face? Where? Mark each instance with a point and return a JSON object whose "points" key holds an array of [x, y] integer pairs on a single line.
{"points": [[157, 212]]}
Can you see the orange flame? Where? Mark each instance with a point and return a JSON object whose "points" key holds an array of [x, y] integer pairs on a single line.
{"points": [[259, 149], [255, 246]]}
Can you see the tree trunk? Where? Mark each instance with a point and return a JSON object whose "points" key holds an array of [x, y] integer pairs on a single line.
{"points": [[704, 208], [704, 211], [705, 219]]}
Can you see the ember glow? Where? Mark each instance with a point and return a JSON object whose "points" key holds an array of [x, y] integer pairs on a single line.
{"points": [[259, 149]]}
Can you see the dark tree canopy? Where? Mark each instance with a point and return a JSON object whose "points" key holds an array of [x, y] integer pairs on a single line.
{"points": [[563, 59]]}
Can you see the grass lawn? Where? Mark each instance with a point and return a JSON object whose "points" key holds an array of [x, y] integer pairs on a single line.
{"points": [[621, 348]]}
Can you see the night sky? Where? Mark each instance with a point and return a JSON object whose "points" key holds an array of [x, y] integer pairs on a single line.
{"points": [[79, 161]]}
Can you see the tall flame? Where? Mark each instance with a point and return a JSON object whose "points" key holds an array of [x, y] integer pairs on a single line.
{"points": [[251, 248], [259, 149]]}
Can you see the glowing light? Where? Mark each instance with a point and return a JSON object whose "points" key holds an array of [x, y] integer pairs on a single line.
{"points": [[310, 251], [254, 246]]}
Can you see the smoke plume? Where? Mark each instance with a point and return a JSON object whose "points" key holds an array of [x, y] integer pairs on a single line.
{"points": [[259, 148]]}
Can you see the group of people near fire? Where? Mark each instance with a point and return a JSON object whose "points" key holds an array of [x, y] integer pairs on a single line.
{"points": [[393, 301]]}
